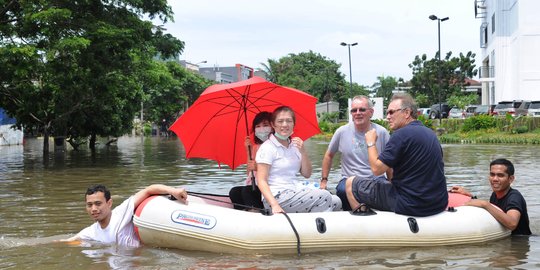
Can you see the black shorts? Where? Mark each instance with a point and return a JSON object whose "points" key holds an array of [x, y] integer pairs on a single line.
{"points": [[377, 193]]}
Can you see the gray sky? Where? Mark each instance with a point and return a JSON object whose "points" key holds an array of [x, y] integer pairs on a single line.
{"points": [[390, 33]]}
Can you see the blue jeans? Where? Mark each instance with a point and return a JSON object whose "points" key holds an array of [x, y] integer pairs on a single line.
{"points": [[342, 194]]}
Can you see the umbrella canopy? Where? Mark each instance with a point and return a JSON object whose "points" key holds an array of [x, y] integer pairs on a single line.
{"points": [[216, 125]]}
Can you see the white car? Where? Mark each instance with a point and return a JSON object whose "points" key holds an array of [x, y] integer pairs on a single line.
{"points": [[456, 112], [424, 111], [534, 109]]}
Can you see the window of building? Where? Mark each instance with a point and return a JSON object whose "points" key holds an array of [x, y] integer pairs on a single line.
{"points": [[483, 35], [493, 23]]}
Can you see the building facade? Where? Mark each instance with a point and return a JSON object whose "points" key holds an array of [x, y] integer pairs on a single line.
{"points": [[509, 39], [236, 73]]}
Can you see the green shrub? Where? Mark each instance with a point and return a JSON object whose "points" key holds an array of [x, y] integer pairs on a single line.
{"points": [[520, 130], [426, 121], [329, 127], [328, 117], [381, 122], [452, 124], [479, 122], [147, 129], [323, 126]]}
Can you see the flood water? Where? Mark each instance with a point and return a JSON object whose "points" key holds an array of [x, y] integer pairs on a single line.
{"points": [[43, 200]]}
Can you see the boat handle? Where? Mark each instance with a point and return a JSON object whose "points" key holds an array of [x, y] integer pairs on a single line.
{"points": [[413, 225], [321, 225]]}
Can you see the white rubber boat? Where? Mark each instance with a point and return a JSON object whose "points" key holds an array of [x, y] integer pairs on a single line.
{"points": [[207, 225]]}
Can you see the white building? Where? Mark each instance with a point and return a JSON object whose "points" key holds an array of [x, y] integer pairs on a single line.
{"points": [[9, 135], [510, 39]]}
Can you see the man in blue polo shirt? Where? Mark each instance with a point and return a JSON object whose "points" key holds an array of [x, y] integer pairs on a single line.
{"points": [[418, 186]]}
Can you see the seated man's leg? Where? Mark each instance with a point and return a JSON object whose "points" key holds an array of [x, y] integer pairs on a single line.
{"points": [[342, 194], [376, 193], [353, 203]]}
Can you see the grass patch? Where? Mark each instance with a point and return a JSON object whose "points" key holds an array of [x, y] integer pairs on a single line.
{"points": [[491, 136]]}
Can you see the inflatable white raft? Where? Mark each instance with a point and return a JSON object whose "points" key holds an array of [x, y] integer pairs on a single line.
{"points": [[207, 225]]}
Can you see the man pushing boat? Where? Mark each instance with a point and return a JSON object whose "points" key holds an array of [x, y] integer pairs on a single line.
{"points": [[115, 226]]}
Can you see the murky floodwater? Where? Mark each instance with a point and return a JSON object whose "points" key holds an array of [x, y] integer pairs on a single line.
{"points": [[42, 200]]}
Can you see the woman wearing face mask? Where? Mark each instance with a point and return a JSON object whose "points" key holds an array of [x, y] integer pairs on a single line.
{"points": [[279, 159], [246, 195]]}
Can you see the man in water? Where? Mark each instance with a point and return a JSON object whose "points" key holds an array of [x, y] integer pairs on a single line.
{"points": [[116, 226], [514, 214]]}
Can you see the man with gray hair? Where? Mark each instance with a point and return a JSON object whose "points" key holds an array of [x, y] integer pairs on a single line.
{"points": [[350, 140], [418, 186]]}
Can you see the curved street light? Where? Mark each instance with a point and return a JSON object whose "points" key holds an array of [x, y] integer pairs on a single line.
{"points": [[350, 69], [439, 20]]}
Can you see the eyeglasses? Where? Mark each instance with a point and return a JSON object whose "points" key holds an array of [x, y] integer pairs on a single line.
{"points": [[358, 110], [390, 112]]}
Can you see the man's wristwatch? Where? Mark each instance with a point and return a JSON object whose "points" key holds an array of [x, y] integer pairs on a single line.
{"points": [[324, 179], [370, 144]]}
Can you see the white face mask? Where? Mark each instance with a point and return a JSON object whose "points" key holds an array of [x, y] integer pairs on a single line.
{"points": [[263, 132]]}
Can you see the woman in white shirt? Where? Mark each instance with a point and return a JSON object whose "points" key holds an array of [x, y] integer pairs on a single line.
{"points": [[279, 159]]}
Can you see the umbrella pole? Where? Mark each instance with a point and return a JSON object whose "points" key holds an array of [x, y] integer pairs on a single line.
{"points": [[249, 149], [252, 174]]}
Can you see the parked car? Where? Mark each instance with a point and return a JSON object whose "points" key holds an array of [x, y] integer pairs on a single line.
{"points": [[515, 108], [523, 108], [492, 109], [470, 110], [435, 108], [456, 112], [424, 111], [484, 109], [534, 109]]}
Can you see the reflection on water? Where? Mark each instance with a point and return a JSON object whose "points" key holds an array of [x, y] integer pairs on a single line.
{"points": [[42, 200]]}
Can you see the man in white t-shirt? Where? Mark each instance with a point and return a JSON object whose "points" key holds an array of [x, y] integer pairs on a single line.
{"points": [[116, 226], [349, 140]]}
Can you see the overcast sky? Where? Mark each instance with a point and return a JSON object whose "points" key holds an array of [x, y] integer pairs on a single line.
{"points": [[390, 33]]}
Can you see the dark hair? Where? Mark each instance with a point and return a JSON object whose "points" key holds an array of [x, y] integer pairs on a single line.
{"points": [[505, 162], [281, 109], [98, 188], [407, 102], [259, 118]]}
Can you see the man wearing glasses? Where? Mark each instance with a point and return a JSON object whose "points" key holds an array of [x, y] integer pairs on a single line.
{"points": [[418, 185], [350, 141]]}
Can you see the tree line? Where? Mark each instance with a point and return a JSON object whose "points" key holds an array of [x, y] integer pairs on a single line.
{"points": [[85, 69], [82, 69]]}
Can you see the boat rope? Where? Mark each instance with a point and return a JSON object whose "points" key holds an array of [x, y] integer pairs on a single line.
{"points": [[206, 196], [295, 233]]}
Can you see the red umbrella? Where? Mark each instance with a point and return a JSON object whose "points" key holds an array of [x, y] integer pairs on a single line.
{"points": [[216, 125]]}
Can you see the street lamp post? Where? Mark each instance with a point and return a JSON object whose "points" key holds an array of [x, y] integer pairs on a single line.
{"points": [[350, 69], [439, 20]]}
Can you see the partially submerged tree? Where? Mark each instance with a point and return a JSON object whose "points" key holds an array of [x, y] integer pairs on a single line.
{"points": [[71, 68]]}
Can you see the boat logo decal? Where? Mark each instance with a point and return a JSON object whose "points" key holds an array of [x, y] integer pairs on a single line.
{"points": [[193, 219]]}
